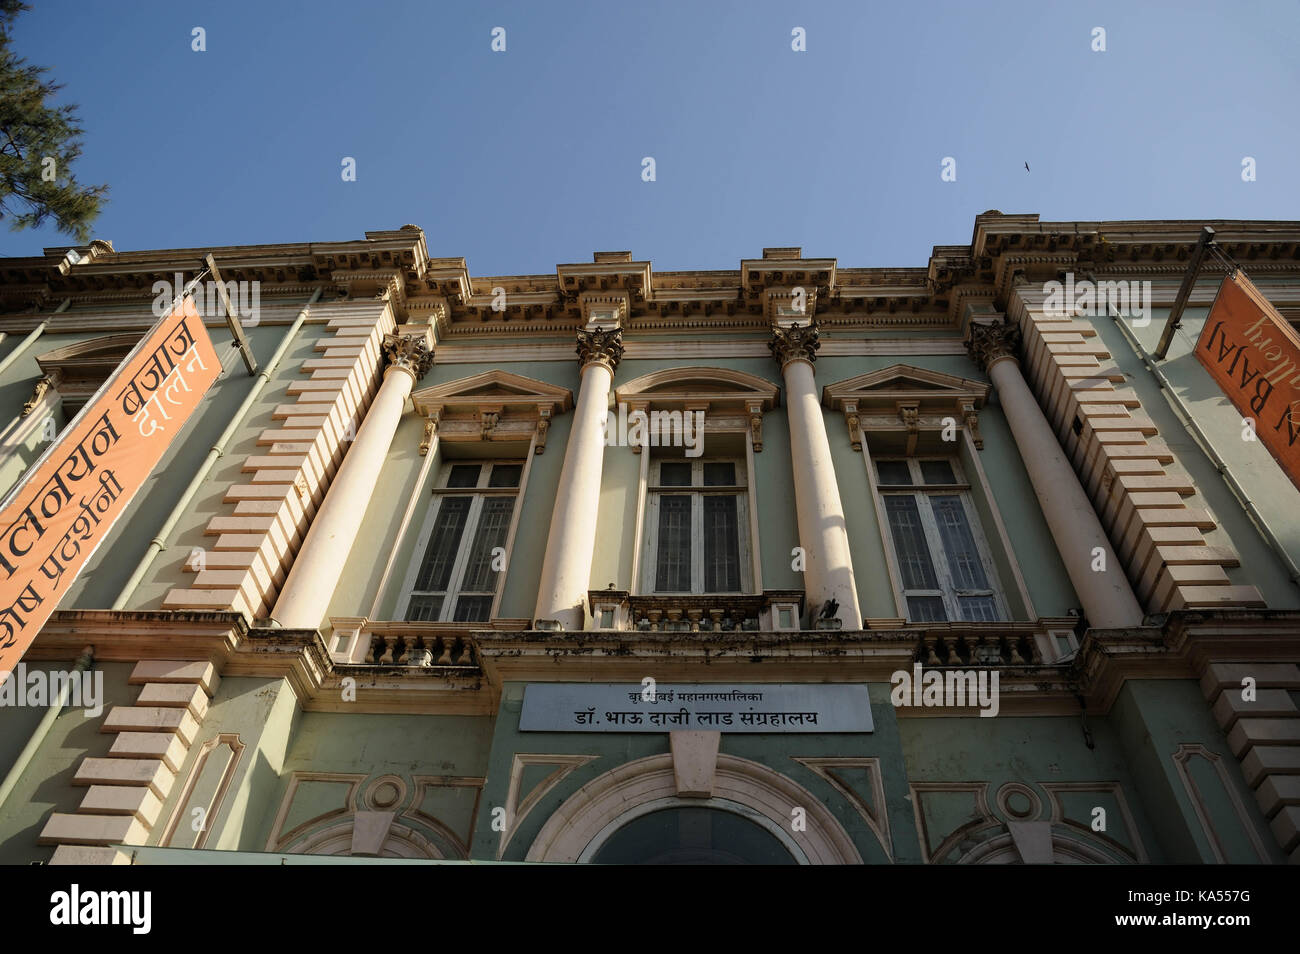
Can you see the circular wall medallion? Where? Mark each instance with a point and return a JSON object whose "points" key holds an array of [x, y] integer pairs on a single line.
{"points": [[1019, 801], [384, 793]]}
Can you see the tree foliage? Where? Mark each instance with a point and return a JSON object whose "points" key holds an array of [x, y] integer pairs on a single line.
{"points": [[38, 145]]}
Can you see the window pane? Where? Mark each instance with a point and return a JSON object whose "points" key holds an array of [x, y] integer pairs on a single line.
{"points": [[958, 544], [720, 475], [909, 540], [505, 475], [473, 609], [493, 524], [464, 475], [424, 608], [893, 472], [435, 571], [937, 472], [978, 609], [721, 544], [673, 560], [674, 474], [926, 609]]}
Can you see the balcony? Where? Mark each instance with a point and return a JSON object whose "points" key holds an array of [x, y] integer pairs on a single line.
{"points": [[695, 612]]}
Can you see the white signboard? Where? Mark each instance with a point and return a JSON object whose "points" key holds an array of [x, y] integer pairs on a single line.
{"points": [[631, 707]]}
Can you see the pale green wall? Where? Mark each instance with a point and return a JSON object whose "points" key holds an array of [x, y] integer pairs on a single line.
{"points": [[773, 491], [371, 745], [46, 786], [1250, 462], [1153, 717], [263, 713], [1032, 751], [775, 750]]}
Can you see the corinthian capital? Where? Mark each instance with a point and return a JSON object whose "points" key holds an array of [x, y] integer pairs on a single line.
{"points": [[411, 353], [602, 346], [988, 342], [794, 343]]}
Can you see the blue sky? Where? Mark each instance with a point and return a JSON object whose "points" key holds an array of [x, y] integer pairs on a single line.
{"points": [[521, 159]]}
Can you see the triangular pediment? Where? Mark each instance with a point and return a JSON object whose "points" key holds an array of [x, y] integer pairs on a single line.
{"points": [[903, 382]]}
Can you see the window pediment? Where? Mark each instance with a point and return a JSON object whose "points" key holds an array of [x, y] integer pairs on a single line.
{"points": [[731, 400], [491, 406], [906, 398], [78, 370]]}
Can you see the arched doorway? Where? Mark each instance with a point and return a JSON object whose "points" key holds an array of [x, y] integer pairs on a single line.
{"points": [[692, 834], [595, 813]]}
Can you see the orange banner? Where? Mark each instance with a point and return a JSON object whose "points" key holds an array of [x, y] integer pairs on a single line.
{"points": [[64, 509], [1254, 355]]}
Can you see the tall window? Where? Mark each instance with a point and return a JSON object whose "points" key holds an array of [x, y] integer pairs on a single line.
{"points": [[696, 527], [939, 551], [458, 571]]}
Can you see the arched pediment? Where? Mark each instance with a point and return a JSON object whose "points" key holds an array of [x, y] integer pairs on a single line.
{"points": [[699, 384], [77, 371], [493, 405], [96, 351], [730, 400], [906, 398]]}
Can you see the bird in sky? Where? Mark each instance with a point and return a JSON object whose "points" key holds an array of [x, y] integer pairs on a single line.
{"points": [[1026, 167]]}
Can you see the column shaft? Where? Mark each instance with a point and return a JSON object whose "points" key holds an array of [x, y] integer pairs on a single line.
{"points": [[1107, 596], [566, 568], [828, 571]]}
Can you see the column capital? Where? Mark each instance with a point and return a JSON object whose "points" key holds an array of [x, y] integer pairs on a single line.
{"points": [[988, 342], [600, 346], [411, 353], [795, 343]]}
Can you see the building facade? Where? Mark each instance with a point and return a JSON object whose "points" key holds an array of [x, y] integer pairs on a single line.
{"points": [[792, 563]]}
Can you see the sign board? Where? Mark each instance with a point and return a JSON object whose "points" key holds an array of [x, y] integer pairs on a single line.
{"points": [[1253, 353], [52, 522], [631, 707]]}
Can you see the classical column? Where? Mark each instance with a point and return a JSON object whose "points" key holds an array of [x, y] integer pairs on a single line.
{"points": [[324, 553], [1106, 595], [566, 569], [828, 568]]}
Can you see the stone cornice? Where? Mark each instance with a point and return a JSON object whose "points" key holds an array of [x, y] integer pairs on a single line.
{"points": [[227, 641], [1178, 646], [1181, 646], [397, 263]]}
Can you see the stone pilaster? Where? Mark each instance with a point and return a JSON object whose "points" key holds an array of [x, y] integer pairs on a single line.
{"points": [[320, 561], [265, 518], [126, 790]]}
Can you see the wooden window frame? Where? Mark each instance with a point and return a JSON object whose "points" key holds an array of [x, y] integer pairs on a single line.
{"points": [[479, 493], [947, 591], [697, 491]]}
